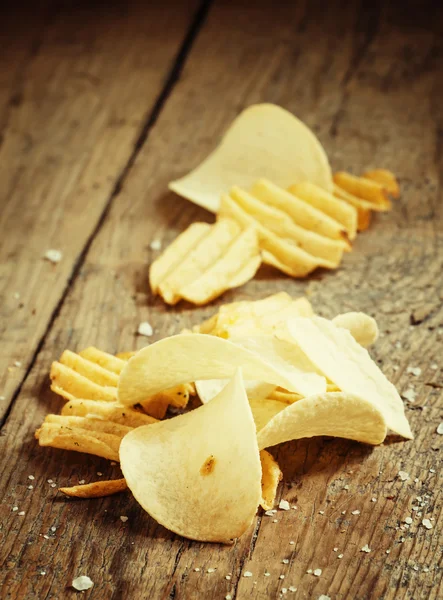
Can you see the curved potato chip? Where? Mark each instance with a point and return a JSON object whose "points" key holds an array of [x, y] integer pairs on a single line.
{"points": [[183, 358], [344, 362], [337, 414], [212, 452], [367, 189], [209, 389], [265, 140], [96, 489], [362, 327], [270, 478]]}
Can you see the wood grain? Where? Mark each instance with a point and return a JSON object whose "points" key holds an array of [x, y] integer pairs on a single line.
{"points": [[75, 101], [368, 83]]}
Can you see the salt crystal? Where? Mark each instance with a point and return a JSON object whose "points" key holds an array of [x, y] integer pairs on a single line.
{"points": [[155, 245], [366, 548], [16, 295], [281, 577], [228, 577], [247, 574], [346, 487], [395, 367], [53, 528], [42, 572], [403, 475], [414, 371], [145, 328], [408, 520], [49, 480], [46, 537], [22, 512], [82, 583], [99, 473], [55, 257], [53, 485], [284, 505], [425, 569], [373, 499], [398, 345], [228, 597], [355, 512], [427, 523], [196, 569], [419, 498], [415, 567], [335, 549], [343, 512], [266, 574], [323, 597], [285, 561], [30, 487], [269, 513], [275, 520], [317, 572], [2, 397], [292, 543], [14, 508], [284, 590], [340, 556], [431, 470], [309, 571], [440, 429], [410, 395], [123, 519]]}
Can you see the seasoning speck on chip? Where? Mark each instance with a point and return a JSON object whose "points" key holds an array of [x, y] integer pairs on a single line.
{"points": [[145, 329], [83, 582]]}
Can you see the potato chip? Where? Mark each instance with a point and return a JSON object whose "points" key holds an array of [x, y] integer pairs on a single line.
{"points": [[126, 355], [209, 389], [192, 480], [89, 369], [97, 489], [385, 178], [109, 362], [98, 443], [222, 258], [325, 202], [362, 327], [183, 358], [362, 207], [366, 189], [263, 141], [276, 251], [347, 364], [68, 383], [270, 478], [337, 414], [109, 411], [89, 423]]}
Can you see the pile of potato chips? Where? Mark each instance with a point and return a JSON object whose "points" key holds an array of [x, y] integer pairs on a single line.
{"points": [[265, 372], [270, 184]]}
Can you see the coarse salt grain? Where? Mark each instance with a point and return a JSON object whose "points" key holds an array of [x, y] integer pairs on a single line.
{"points": [[408, 520], [321, 512], [431, 470], [99, 473], [269, 513], [30, 487], [275, 520], [373, 499], [42, 572], [228, 577], [266, 574], [285, 561], [228, 597], [210, 570], [49, 480], [440, 429], [53, 528], [365, 548], [309, 571], [355, 512], [123, 519], [284, 590], [196, 569], [22, 512], [323, 597], [346, 487], [403, 475], [155, 245], [53, 256], [284, 505], [281, 577], [145, 329], [292, 543], [317, 572], [17, 363], [427, 523], [82, 583], [340, 556], [14, 508], [335, 549], [46, 537], [53, 485], [343, 512], [388, 551], [247, 574], [31, 477]]}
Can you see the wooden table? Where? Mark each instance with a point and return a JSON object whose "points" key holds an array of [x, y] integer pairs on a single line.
{"points": [[99, 109]]}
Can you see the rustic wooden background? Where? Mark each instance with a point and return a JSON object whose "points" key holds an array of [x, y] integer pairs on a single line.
{"points": [[102, 105]]}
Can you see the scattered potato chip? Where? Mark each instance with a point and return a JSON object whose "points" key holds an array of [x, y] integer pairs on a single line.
{"points": [[366, 189], [98, 443], [183, 358], [362, 327], [385, 178], [325, 202], [97, 489], [337, 414], [162, 463], [263, 141], [108, 411], [221, 256], [344, 362], [270, 478]]}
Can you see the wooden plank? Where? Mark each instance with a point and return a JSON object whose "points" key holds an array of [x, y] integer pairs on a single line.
{"points": [[358, 98], [75, 97]]}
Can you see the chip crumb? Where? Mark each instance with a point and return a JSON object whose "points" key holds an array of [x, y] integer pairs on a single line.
{"points": [[123, 518], [355, 512], [155, 245], [440, 429], [427, 523], [408, 520], [247, 574], [55, 257], [22, 512], [82, 583], [414, 371], [284, 505], [285, 561], [210, 570], [403, 475], [145, 329], [409, 395], [366, 548], [317, 572]]}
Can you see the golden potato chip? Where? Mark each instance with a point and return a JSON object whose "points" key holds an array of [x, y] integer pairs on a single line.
{"points": [[198, 356], [89, 423], [283, 396], [222, 258], [68, 383], [362, 327], [362, 207], [126, 355], [209, 389], [325, 202], [347, 364], [337, 414], [109, 411], [192, 480], [278, 252], [385, 178], [263, 141], [109, 362], [89, 369], [98, 443], [270, 478], [366, 189], [97, 489]]}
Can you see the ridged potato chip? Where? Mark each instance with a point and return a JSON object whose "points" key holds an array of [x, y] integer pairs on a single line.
{"points": [[385, 178], [265, 140], [203, 262], [364, 188], [192, 480], [78, 439]]}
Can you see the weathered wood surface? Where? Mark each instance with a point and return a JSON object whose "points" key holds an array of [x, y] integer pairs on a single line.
{"points": [[76, 100], [370, 84]]}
